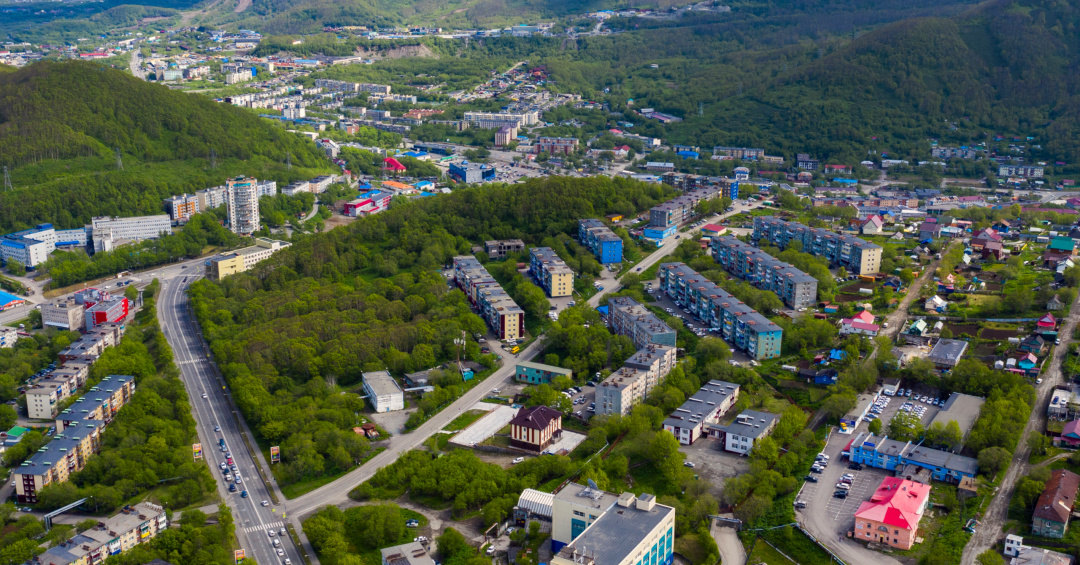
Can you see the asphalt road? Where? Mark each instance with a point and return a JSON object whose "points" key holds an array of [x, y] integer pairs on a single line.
{"points": [[211, 407], [993, 520]]}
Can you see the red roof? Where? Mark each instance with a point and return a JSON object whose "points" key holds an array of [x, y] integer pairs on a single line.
{"points": [[392, 164], [864, 316], [1047, 320], [860, 325], [896, 502], [712, 228]]}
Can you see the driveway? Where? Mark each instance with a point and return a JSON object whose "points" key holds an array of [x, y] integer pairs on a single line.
{"points": [[727, 540]]}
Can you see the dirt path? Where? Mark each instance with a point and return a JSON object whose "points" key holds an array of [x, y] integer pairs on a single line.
{"points": [[186, 17], [993, 520], [243, 5]]}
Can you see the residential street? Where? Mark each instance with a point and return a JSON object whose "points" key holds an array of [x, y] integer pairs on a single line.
{"points": [[993, 520]]}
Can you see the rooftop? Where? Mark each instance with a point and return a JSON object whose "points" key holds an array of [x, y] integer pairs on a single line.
{"points": [[751, 424], [381, 383], [962, 408], [896, 502], [947, 351], [702, 404], [1057, 499], [407, 554], [613, 536]]}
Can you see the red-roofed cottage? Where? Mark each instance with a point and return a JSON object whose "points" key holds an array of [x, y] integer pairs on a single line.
{"points": [[892, 514], [1047, 322]]}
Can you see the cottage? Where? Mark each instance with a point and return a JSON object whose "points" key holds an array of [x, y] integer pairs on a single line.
{"points": [[1070, 434], [1047, 323], [1051, 517], [872, 225], [1033, 343], [1055, 303], [935, 304]]}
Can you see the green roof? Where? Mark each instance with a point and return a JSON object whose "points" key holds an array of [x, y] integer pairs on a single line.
{"points": [[1062, 244], [17, 431]]}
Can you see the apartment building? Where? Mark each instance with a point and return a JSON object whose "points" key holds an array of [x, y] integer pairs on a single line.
{"points": [[65, 314], [1024, 171], [108, 233], [210, 198], [687, 423], [550, 272], [243, 259], [601, 241], [181, 208], [88, 347], [498, 249], [345, 86], [132, 526], [631, 383], [496, 307], [242, 201], [741, 153], [856, 255], [628, 317], [635, 530], [52, 464], [505, 136], [796, 288], [740, 325], [267, 188], [555, 145], [670, 215], [489, 120], [686, 182], [43, 398], [100, 404]]}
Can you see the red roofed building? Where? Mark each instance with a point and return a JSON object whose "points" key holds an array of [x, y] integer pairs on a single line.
{"points": [[1047, 322], [535, 428], [392, 164], [864, 316], [713, 230], [892, 514], [852, 326]]}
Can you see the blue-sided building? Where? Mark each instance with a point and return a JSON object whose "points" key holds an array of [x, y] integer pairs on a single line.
{"points": [[601, 241], [469, 173], [891, 455]]}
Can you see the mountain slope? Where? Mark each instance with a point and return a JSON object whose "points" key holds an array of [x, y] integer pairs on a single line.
{"points": [[61, 123], [1004, 66]]}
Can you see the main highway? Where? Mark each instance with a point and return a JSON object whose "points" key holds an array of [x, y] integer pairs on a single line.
{"points": [[213, 410]]}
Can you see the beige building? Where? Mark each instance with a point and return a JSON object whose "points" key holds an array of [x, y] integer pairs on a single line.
{"points": [[589, 528], [63, 314], [117, 534], [100, 404], [551, 272], [43, 398], [53, 463], [631, 384], [241, 260]]}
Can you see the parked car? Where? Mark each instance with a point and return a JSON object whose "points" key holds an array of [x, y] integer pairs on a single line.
{"points": [[855, 466], [811, 479], [840, 494]]}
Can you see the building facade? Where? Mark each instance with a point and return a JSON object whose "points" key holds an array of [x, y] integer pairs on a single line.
{"points": [[114, 535], [856, 255], [181, 208], [892, 514], [539, 373], [743, 434], [556, 145], [241, 260], [535, 428], [629, 318], [64, 314], [601, 241], [383, 392], [498, 249], [1055, 504], [470, 173], [634, 531], [242, 200], [705, 407], [495, 306], [741, 326], [892, 455], [631, 384], [550, 272], [107, 233], [796, 288]]}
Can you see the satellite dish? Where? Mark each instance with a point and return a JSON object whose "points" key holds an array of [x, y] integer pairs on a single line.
{"points": [[592, 484]]}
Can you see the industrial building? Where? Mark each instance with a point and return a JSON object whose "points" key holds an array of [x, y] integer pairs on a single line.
{"points": [[241, 260], [796, 288], [960, 408], [740, 325], [470, 173], [383, 392], [858, 256]]}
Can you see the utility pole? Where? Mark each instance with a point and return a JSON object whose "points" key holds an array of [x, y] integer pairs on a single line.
{"points": [[213, 159], [288, 161], [119, 160]]}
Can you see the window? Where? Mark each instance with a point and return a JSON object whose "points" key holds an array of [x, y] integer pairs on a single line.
{"points": [[578, 513]]}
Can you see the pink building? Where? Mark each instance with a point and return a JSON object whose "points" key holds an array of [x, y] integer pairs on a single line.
{"points": [[892, 514]]}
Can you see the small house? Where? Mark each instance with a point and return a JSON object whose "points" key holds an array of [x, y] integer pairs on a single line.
{"points": [[893, 282], [1027, 362], [918, 327], [820, 377], [935, 304], [1033, 343], [1047, 323], [864, 316], [1055, 505], [1055, 303], [1070, 434]]}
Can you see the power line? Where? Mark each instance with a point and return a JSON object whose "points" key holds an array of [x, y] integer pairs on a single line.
{"points": [[7, 179], [119, 160]]}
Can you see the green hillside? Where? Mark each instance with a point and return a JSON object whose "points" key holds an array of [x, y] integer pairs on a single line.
{"points": [[61, 123]]}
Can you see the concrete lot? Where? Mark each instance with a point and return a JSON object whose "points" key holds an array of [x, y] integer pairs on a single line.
{"points": [[714, 464], [485, 427]]}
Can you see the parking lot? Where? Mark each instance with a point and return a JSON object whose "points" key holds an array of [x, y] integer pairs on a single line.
{"points": [[924, 411], [713, 464], [692, 322]]}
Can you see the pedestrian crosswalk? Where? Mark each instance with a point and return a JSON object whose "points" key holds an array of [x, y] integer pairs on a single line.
{"points": [[263, 527]]}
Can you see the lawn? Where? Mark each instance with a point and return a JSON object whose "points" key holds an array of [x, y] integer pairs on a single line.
{"points": [[463, 421], [763, 553], [303, 487]]}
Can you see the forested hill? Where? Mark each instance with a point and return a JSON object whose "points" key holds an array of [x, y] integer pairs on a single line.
{"points": [[1003, 66], [61, 123], [78, 109]]}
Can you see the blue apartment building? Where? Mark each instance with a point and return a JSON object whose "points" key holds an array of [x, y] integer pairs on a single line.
{"points": [[858, 256], [740, 325], [601, 241], [796, 288], [892, 455], [628, 317]]}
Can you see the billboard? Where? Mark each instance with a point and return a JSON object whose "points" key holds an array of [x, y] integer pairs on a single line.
{"points": [[275, 454], [239, 555], [196, 450]]}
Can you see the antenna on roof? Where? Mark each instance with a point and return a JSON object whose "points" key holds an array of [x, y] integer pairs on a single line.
{"points": [[592, 484]]}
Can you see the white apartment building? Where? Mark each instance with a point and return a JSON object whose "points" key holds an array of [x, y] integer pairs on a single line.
{"points": [[63, 314], [210, 198], [242, 196], [496, 120], [108, 233], [267, 188]]}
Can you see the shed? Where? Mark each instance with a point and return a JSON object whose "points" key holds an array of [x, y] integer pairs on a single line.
{"points": [[536, 503]]}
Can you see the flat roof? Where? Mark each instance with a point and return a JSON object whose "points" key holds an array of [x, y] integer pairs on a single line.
{"points": [[615, 536], [948, 351], [543, 367], [381, 383], [585, 496], [705, 401], [963, 408], [759, 423]]}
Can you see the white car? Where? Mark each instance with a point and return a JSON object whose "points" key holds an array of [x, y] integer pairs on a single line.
{"points": [[266, 503], [280, 552], [519, 460]]}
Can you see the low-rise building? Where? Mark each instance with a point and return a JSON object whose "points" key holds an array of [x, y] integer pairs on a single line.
{"points": [[535, 428], [704, 408], [225, 264], [470, 173], [550, 272], [947, 353], [383, 392], [412, 553], [1027, 555], [1055, 504], [743, 434], [539, 373], [108, 233], [498, 249], [66, 314], [114, 535], [636, 530], [892, 455], [961, 408], [891, 516]]}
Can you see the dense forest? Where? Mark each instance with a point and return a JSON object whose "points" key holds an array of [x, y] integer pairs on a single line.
{"points": [[61, 124], [300, 328]]}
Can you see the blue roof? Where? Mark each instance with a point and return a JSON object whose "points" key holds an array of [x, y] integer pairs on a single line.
{"points": [[7, 298], [603, 310], [837, 354]]}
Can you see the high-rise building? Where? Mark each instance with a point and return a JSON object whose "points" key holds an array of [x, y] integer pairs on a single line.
{"points": [[242, 199]]}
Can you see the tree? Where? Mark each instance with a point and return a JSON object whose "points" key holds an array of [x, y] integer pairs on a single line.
{"points": [[875, 427], [990, 557], [8, 416], [15, 267], [838, 404], [992, 460], [905, 426], [1038, 443]]}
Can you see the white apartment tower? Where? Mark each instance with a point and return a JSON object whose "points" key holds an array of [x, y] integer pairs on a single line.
{"points": [[242, 198]]}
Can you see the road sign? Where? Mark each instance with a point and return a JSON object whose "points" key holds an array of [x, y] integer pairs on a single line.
{"points": [[275, 454], [239, 555], [196, 450]]}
